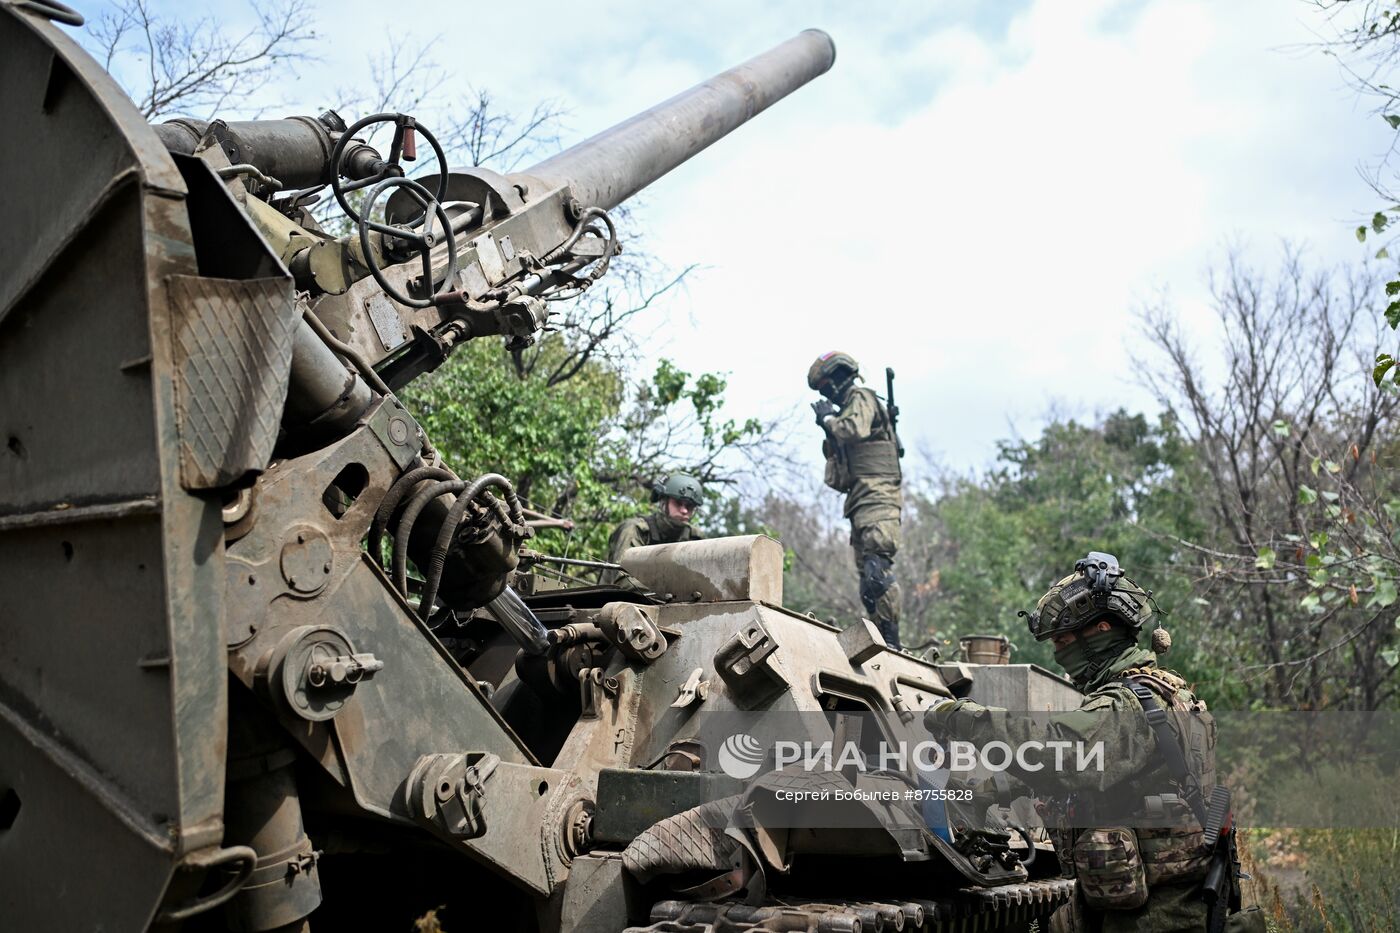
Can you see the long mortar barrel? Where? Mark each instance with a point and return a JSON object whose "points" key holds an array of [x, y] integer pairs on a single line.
{"points": [[609, 168]]}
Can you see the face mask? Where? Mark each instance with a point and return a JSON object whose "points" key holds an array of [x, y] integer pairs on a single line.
{"points": [[1085, 656], [1075, 659]]}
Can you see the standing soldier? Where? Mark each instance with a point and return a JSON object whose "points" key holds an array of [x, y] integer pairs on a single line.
{"points": [[1149, 835], [862, 460], [676, 497]]}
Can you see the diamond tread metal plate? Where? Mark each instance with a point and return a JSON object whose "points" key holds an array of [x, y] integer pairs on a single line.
{"points": [[232, 351]]}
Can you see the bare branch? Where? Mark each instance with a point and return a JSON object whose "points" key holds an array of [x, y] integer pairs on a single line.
{"points": [[194, 67]]}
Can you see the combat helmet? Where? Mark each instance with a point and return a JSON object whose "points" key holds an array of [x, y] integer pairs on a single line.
{"points": [[1096, 590], [835, 367], [680, 486]]}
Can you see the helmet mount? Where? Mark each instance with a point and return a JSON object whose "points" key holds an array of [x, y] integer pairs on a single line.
{"points": [[1096, 591]]}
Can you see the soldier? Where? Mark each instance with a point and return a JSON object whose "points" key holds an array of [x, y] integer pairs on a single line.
{"points": [[862, 461], [676, 497], [1151, 877]]}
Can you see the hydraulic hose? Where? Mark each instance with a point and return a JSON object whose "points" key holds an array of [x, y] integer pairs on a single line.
{"points": [[416, 505], [395, 495], [433, 577]]}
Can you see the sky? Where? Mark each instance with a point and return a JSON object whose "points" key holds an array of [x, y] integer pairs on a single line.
{"points": [[980, 195]]}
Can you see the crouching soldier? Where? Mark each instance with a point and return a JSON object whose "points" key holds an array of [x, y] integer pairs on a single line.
{"points": [[677, 498], [1149, 834]]}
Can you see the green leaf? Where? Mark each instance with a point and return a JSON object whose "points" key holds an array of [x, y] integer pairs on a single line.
{"points": [[1392, 118], [1333, 466], [1361, 234], [1315, 465], [1378, 221], [1392, 314], [1311, 602], [1386, 593], [1382, 253], [1319, 539], [1306, 495], [1281, 428], [1265, 559], [1392, 289], [1390, 656], [1384, 363]]}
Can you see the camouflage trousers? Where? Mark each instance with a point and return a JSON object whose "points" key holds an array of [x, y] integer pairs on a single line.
{"points": [[875, 542]]}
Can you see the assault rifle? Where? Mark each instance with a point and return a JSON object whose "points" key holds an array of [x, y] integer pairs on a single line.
{"points": [[892, 408]]}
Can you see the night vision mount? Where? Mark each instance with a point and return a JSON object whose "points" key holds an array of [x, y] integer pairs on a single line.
{"points": [[1102, 571]]}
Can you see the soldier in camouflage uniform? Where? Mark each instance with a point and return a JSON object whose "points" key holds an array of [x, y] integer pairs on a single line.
{"points": [[1135, 871], [676, 497], [862, 461]]}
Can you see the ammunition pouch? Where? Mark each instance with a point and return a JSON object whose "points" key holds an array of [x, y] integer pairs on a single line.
{"points": [[1109, 866], [838, 477], [1173, 854]]}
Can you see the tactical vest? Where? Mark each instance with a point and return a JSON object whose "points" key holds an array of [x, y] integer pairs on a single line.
{"points": [[1189, 713], [876, 457], [1117, 865], [655, 532]]}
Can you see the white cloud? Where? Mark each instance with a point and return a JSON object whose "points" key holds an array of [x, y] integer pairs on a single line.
{"points": [[977, 194], [993, 243]]}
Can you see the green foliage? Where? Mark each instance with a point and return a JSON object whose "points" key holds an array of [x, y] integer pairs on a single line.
{"points": [[550, 440], [1004, 538], [671, 389], [1351, 875], [584, 448]]}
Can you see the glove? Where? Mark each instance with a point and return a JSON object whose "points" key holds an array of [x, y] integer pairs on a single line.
{"points": [[938, 716], [824, 409]]}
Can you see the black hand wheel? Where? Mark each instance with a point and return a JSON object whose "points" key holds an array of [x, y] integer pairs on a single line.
{"points": [[419, 234], [404, 146]]}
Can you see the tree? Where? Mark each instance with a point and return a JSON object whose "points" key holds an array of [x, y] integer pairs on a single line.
{"points": [[1364, 37], [584, 447], [194, 67], [1296, 555], [980, 548], [1003, 538]]}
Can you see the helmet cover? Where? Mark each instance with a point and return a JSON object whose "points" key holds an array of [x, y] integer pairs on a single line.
{"points": [[1096, 591], [829, 368]]}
